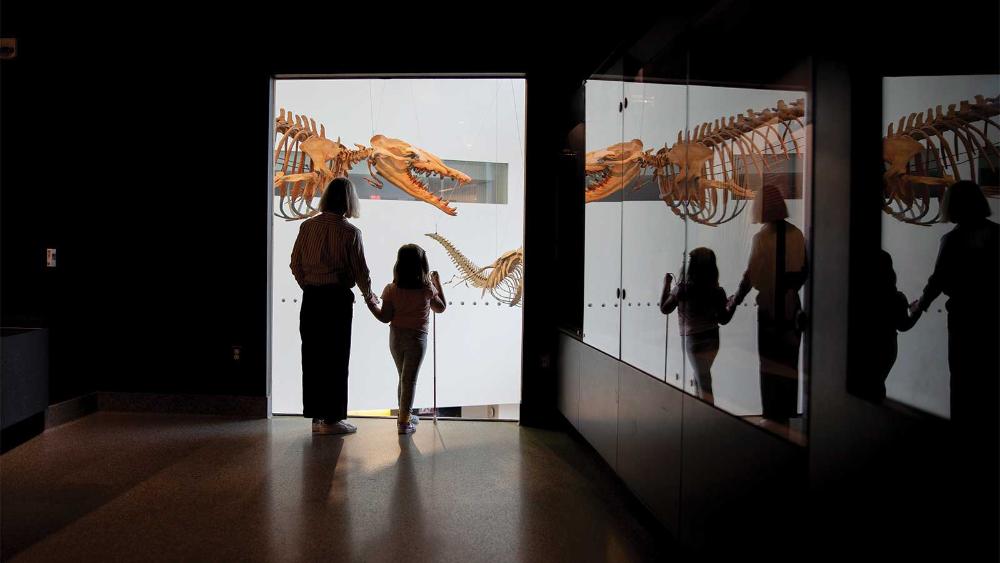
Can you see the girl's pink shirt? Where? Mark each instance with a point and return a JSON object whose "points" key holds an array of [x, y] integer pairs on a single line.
{"points": [[411, 308]]}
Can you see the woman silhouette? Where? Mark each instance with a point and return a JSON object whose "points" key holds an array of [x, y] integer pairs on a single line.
{"points": [[327, 261], [967, 270], [777, 270]]}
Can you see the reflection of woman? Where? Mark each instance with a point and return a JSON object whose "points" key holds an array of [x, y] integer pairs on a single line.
{"points": [[702, 309], [967, 272], [327, 261], [777, 270]]}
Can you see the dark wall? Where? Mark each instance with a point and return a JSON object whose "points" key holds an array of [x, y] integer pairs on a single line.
{"points": [[884, 477], [136, 145], [44, 181], [880, 480], [124, 148], [883, 481]]}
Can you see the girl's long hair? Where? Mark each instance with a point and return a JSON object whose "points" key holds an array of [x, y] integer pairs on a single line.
{"points": [[701, 272], [411, 270]]}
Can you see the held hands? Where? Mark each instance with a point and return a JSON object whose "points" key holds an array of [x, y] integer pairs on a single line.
{"points": [[732, 304], [915, 310], [436, 280]]}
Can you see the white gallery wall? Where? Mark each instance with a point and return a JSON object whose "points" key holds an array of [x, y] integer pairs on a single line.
{"points": [[478, 340], [602, 262], [920, 376], [632, 244]]}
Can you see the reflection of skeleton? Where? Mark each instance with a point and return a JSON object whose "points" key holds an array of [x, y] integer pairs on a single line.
{"points": [[702, 167], [613, 168], [503, 278], [910, 154], [301, 179]]}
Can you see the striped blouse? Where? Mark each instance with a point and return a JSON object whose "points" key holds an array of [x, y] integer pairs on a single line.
{"points": [[329, 250]]}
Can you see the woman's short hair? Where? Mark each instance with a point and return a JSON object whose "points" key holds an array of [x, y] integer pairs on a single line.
{"points": [[964, 201], [768, 205], [340, 197]]}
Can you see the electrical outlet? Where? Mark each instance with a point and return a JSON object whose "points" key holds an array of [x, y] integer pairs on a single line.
{"points": [[236, 353], [50, 258]]}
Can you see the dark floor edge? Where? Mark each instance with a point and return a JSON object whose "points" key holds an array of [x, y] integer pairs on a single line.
{"points": [[224, 405], [21, 432], [90, 403], [632, 499], [70, 410]]}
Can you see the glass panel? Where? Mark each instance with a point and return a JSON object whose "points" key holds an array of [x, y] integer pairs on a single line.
{"points": [[652, 233], [606, 169], [476, 128], [742, 188], [939, 356], [698, 156]]}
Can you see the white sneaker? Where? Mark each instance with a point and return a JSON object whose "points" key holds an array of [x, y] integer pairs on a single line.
{"points": [[408, 428], [342, 427], [414, 419]]}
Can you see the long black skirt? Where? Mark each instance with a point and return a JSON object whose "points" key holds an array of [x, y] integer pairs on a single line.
{"points": [[325, 327], [778, 348]]}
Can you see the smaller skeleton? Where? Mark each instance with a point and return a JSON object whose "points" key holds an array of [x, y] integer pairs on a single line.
{"points": [[503, 278]]}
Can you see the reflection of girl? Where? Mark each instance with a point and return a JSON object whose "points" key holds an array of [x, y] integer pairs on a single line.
{"points": [[407, 305], [892, 316], [702, 309]]}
